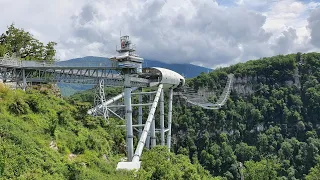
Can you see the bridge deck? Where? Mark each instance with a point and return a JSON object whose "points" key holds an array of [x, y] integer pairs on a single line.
{"points": [[32, 71]]}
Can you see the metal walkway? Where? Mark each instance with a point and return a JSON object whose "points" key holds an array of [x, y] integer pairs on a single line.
{"points": [[24, 72]]}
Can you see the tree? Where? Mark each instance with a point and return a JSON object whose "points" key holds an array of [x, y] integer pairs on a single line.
{"points": [[263, 170], [159, 163], [50, 51], [3, 50], [245, 152], [314, 173], [25, 46]]}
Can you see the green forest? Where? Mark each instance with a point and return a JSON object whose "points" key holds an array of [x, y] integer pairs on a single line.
{"points": [[268, 129], [271, 132]]}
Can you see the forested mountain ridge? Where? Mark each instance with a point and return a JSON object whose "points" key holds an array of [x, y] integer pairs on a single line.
{"points": [[269, 127]]}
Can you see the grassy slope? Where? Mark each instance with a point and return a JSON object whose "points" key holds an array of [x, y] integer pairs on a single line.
{"points": [[45, 137]]}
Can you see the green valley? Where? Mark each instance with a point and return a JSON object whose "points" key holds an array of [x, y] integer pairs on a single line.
{"points": [[268, 129]]}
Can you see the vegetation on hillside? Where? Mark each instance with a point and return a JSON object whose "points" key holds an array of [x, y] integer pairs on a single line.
{"points": [[270, 133], [46, 137]]}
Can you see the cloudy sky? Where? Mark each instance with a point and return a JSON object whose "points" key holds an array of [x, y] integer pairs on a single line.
{"points": [[204, 32]]}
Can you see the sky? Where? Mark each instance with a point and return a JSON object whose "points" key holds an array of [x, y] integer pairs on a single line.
{"points": [[210, 33]]}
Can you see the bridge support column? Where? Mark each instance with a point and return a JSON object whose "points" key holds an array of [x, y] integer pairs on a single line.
{"points": [[148, 141], [24, 80], [5, 76], [153, 137], [135, 163], [140, 113], [128, 109], [169, 118], [147, 144], [162, 118]]}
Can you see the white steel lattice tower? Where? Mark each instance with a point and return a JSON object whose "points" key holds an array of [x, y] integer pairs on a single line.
{"points": [[100, 99]]}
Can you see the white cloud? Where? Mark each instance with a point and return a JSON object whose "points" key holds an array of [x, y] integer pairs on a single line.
{"points": [[284, 14], [314, 26], [187, 31], [287, 21], [47, 20], [184, 31]]}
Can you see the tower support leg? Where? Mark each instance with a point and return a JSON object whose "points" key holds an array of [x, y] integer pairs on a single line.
{"points": [[135, 163], [24, 80], [140, 113], [169, 118], [153, 137], [5, 76], [148, 141], [147, 144], [128, 108], [162, 118]]}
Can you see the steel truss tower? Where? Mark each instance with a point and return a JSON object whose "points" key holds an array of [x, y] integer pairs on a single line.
{"points": [[99, 98]]}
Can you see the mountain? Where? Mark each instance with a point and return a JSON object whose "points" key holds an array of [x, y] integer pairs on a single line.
{"points": [[187, 70], [86, 61]]}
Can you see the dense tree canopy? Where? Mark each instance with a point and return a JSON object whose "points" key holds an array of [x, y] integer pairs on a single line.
{"points": [[314, 173], [22, 44], [272, 128]]}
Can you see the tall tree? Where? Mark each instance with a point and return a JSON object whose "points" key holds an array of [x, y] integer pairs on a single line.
{"points": [[264, 169], [314, 173], [25, 46]]}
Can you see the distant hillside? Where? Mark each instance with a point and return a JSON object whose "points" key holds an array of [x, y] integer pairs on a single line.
{"points": [[187, 70], [86, 61]]}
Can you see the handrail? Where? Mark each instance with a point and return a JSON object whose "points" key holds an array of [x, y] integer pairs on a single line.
{"points": [[222, 99]]}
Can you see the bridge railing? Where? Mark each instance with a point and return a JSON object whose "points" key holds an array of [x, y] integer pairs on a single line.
{"points": [[15, 62], [10, 61], [36, 64]]}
